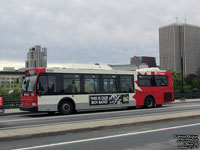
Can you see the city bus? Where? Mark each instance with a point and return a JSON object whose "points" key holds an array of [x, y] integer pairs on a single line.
{"points": [[68, 90]]}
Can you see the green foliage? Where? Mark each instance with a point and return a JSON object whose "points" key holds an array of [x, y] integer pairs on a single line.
{"points": [[190, 82], [3, 91], [196, 83], [11, 98]]}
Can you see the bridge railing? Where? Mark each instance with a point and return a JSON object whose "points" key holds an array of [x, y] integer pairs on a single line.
{"points": [[189, 94], [11, 101]]}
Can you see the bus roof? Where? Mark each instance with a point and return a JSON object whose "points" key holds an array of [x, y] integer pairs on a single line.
{"points": [[88, 71], [97, 69], [85, 67]]}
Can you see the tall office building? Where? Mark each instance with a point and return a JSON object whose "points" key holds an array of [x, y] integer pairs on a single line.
{"points": [[178, 41], [36, 57]]}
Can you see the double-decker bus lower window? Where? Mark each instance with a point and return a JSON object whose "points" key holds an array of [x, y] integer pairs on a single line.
{"points": [[71, 84], [126, 84], [152, 80], [91, 84]]}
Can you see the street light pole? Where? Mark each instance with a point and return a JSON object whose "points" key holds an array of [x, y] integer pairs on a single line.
{"points": [[182, 89]]}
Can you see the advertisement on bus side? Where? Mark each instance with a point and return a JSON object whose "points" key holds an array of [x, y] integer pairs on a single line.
{"points": [[112, 99]]}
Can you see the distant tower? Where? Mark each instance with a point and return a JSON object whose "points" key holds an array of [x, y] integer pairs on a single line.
{"points": [[36, 58], [180, 40], [44, 55]]}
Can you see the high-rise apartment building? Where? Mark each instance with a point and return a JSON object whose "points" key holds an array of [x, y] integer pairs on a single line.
{"points": [[178, 41], [36, 57]]}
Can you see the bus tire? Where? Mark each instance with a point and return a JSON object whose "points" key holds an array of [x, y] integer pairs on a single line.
{"points": [[149, 102], [66, 108]]}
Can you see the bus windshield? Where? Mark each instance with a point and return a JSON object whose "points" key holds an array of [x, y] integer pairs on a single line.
{"points": [[28, 84]]}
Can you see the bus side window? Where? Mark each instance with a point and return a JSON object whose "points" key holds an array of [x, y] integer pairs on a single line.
{"points": [[156, 80], [126, 84], [109, 84], [153, 82], [91, 84], [161, 80], [42, 87], [144, 80], [71, 83], [51, 84]]}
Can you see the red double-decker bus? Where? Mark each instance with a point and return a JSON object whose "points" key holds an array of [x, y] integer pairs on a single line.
{"points": [[68, 90]]}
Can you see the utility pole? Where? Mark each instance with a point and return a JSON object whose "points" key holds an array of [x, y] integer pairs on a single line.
{"points": [[181, 37], [182, 89]]}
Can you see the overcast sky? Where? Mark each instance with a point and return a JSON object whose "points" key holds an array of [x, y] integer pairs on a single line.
{"points": [[88, 31]]}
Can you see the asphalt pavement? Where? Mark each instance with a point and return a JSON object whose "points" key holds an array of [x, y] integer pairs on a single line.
{"points": [[90, 125], [165, 135]]}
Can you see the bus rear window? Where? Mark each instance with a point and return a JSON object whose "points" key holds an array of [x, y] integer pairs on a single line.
{"points": [[149, 80]]}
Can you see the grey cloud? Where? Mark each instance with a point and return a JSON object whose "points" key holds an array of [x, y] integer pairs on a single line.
{"points": [[84, 31]]}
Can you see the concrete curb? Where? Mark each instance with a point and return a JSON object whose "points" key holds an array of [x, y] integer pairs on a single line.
{"points": [[14, 113], [89, 125], [186, 101]]}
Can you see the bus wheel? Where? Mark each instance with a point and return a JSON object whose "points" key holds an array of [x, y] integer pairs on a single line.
{"points": [[149, 102], [66, 107]]}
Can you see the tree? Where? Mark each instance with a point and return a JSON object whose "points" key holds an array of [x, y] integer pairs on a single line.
{"points": [[3, 91], [177, 81], [189, 80], [196, 83]]}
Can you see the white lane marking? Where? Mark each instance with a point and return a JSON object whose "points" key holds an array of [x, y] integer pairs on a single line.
{"points": [[107, 137], [55, 117]]}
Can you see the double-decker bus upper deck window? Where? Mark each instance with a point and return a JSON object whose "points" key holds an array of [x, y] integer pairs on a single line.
{"points": [[71, 83], [152, 80]]}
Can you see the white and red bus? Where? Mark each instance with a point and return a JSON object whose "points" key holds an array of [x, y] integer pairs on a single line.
{"points": [[68, 90]]}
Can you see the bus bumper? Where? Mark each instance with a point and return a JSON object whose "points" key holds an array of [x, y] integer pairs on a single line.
{"points": [[32, 109]]}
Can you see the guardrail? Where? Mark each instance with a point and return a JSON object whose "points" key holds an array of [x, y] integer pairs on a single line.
{"points": [[189, 94], [11, 101]]}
